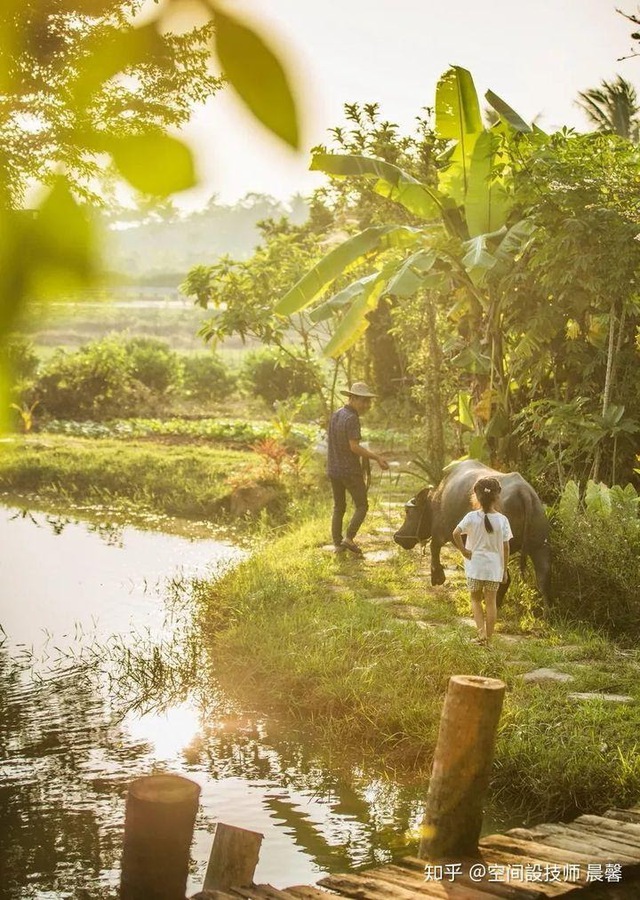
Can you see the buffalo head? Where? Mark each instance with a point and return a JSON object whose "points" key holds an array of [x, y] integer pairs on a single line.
{"points": [[417, 521]]}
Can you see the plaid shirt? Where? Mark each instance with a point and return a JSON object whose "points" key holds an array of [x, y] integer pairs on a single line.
{"points": [[343, 427]]}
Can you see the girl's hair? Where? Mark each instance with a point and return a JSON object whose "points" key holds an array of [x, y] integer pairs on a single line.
{"points": [[487, 491]]}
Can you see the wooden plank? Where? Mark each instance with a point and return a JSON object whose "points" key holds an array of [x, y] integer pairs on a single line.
{"points": [[624, 833], [545, 852], [233, 858], [595, 843], [623, 815], [447, 888], [544, 889], [308, 892], [368, 887], [489, 888], [260, 892]]}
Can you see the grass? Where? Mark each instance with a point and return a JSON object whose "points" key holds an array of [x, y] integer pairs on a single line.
{"points": [[292, 631], [190, 481]]}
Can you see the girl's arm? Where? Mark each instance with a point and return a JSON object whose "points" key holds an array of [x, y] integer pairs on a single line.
{"points": [[457, 540], [505, 553]]}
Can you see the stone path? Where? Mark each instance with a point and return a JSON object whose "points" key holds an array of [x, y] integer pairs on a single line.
{"points": [[378, 549]]}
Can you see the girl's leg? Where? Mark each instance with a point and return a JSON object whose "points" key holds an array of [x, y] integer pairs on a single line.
{"points": [[491, 611], [478, 613]]}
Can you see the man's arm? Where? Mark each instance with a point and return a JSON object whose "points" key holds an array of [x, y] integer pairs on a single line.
{"points": [[356, 448]]}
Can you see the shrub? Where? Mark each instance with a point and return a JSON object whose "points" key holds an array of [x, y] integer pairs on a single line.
{"points": [[19, 357], [154, 363], [206, 377], [596, 547], [95, 382], [274, 375]]}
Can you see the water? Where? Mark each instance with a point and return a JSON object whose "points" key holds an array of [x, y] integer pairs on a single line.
{"points": [[77, 592]]}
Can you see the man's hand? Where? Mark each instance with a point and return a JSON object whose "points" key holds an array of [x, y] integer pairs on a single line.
{"points": [[382, 462], [505, 577], [466, 553]]}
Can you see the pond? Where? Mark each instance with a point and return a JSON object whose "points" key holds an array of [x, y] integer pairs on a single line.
{"points": [[93, 614]]}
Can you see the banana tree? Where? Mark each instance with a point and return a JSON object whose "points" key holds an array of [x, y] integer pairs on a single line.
{"points": [[463, 233]]}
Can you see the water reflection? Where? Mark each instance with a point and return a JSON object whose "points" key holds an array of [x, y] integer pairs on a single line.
{"points": [[102, 616]]}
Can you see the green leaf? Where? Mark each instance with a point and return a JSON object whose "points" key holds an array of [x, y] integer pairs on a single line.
{"points": [[597, 498], [569, 502], [63, 239], [343, 298], [487, 203], [391, 181], [507, 114], [258, 76], [156, 164], [354, 323], [457, 107], [479, 448], [410, 276], [369, 242], [465, 416], [457, 119]]}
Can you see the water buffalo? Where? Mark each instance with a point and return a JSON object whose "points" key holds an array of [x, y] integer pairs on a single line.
{"points": [[435, 513]]}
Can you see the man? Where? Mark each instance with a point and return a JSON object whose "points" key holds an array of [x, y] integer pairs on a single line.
{"points": [[344, 465]]}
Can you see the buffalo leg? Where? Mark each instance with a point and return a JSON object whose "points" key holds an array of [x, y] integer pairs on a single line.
{"points": [[502, 590], [437, 571], [541, 559]]}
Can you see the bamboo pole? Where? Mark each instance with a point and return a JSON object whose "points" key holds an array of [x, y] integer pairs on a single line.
{"points": [[461, 767], [159, 819]]}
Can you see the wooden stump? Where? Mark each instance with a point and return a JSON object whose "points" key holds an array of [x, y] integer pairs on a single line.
{"points": [[461, 767], [159, 819], [233, 859]]}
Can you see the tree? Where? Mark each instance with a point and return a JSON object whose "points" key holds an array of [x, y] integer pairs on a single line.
{"points": [[613, 108], [461, 234], [69, 68]]}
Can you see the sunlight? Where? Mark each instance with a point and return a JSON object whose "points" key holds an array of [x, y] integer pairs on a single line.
{"points": [[168, 732]]}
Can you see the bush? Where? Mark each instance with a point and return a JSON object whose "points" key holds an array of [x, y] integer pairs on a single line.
{"points": [[596, 547], [18, 355], [154, 363], [95, 382], [206, 377], [274, 375]]}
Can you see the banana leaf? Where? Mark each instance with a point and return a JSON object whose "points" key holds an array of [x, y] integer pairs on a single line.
{"points": [[487, 203], [343, 298], [391, 182], [457, 119], [370, 242], [354, 323], [507, 114]]}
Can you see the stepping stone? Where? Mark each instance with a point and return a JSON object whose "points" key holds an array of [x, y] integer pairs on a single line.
{"points": [[380, 601], [538, 676], [610, 698], [380, 555]]}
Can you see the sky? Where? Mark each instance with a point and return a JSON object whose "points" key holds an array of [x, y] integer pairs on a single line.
{"points": [[536, 55]]}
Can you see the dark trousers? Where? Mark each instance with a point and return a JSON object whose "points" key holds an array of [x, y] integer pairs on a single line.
{"points": [[355, 486]]}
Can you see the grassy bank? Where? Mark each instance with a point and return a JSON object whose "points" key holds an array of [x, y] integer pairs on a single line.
{"points": [[191, 481], [318, 639]]}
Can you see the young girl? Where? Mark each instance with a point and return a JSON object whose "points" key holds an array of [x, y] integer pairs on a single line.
{"points": [[486, 553]]}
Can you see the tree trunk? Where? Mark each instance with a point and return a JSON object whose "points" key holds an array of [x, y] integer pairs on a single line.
{"points": [[433, 393]]}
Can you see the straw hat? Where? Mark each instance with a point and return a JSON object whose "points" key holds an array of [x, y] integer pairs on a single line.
{"points": [[359, 389]]}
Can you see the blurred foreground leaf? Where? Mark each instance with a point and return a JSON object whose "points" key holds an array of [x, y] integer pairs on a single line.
{"points": [[154, 163], [256, 73]]}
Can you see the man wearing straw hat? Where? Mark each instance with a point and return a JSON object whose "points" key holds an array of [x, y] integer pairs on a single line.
{"points": [[344, 465]]}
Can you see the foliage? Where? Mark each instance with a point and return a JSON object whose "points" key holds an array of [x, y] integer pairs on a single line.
{"points": [[596, 545], [19, 357], [206, 377], [237, 432], [154, 364], [95, 382], [274, 375], [190, 481], [86, 84], [613, 108]]}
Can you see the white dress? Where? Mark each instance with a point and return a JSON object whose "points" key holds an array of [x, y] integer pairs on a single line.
{"points": [[487, 555]]}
